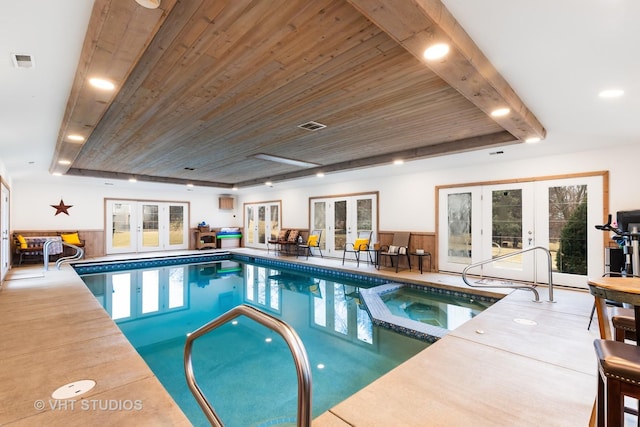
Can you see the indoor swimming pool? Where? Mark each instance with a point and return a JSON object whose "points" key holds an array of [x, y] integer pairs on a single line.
{"points": [[244, 369]]}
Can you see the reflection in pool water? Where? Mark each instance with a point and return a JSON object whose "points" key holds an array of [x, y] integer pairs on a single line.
{"points": [[245, 370]]}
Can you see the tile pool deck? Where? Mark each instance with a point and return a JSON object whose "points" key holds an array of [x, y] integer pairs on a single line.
{"points": [[491, 371]]}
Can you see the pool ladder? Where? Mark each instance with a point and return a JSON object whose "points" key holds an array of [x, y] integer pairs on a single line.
{"points": [[511, 284], [303, 368], [45, 254]]}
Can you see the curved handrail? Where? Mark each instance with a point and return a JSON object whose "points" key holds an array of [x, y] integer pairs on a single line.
{"points": [[78, 255], [303, 368], [514, 286]]}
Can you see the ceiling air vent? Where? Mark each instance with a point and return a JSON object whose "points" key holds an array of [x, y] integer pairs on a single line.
{"points": [[22, 61], [312, 126]]}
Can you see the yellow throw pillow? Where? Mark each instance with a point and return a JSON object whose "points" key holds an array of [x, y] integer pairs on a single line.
{"points": [[312, 241], [23, 242], [72, 239], [361, 244]]}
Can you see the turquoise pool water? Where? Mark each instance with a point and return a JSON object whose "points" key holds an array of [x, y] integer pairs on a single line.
{"points": [[244, 369]]}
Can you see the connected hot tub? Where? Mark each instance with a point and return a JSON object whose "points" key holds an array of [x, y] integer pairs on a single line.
{"points": [[422, 312]]}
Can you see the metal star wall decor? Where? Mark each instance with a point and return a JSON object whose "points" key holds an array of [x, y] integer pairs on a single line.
{"points": [[61, 208]]}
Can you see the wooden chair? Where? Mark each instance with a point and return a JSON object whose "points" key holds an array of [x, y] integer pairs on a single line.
{"points": [[362, 244], [313, 241], [278, 241], [399, 247], [23, 248], [291, 242]]}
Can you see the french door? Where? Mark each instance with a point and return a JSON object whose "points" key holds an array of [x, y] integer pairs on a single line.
{"points": [[491, 222], [4, 230], [341, 218], [141, 226], [262, 222]]}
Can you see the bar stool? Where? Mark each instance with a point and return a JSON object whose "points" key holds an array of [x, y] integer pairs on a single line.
{"points": [[624, 323], [618, 376]]}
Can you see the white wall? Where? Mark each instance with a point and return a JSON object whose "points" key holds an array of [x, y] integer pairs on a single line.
{"points": [[31, 202], [407, 192], [407, 200]]}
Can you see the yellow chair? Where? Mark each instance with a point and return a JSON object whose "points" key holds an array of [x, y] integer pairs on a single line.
{"points": [[362, 244], [313, 241]]}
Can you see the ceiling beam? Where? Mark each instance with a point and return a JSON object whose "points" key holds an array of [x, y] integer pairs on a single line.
{"points": [[462, 145], [145, 178], [418, 24], [118, 33]]}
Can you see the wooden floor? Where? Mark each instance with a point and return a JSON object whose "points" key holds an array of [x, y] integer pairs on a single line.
{"points": [[518, 363]]}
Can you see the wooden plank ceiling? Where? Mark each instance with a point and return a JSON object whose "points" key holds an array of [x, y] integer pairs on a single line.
{"points": [[202, 86]]}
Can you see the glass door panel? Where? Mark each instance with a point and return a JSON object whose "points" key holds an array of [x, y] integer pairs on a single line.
{"points": [[274, 223], [340, 231], [150, 237], [176, 225], [121, 220], [511, 230], [319, 221], [250, 226], [262, 224], [459, 210], [568, 228], [364, 212]]}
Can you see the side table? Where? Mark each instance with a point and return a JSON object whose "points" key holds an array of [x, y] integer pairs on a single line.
{"points": [[420, 257]]}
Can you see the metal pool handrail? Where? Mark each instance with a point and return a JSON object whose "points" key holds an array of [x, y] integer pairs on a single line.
{"points": [[78, 255], [303, 368], [513, 285]]}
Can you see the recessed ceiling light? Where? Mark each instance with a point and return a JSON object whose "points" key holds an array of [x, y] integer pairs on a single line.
{"points": [[436, 51], [56, 174], [189, 185], [133, 180], [64, 162], [398, 162], [101, 83], [500, 112], [532, 140], [611, 93], [75, 138], [234, 188], [320, 174], [268, 183]]}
